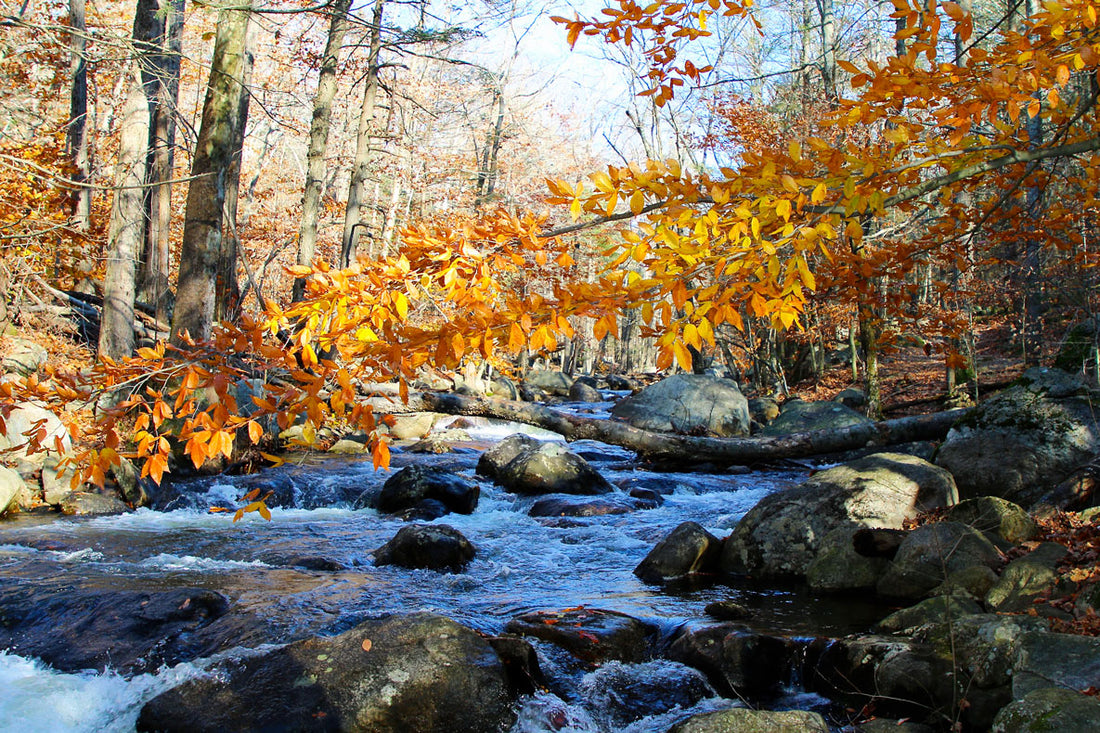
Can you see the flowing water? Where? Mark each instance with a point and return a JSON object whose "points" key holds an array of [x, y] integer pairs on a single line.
{"points": [[523, 564]]}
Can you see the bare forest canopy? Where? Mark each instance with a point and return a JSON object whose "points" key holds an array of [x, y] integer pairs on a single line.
{"points": [[276, 203]]}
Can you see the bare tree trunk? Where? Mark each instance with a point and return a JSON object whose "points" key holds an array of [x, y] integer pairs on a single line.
{"points": [[227, 291], [77, 137], [318, 140], [389, 227], [214, 149], [353, 215], [828, 50], [158, 36], [116, 331], [487, 168]]}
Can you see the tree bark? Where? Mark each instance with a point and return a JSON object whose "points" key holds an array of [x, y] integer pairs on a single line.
{"points": [[354, 215], [668, 446], [204, 217], [116, 333], [318, 141], [77, 133], [227, 291], [158, 36]]}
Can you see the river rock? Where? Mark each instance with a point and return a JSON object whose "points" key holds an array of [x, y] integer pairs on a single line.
{"points": [[783, 533], [583, 392], [1026, 578], [995, 515], [1049, 709], [590, 634], [1078, 348], [799, 416], [619, 383], [419, 672], [430, 546], [692, 404], [1065, 660], [619, 694], [551, 468], [549, 381], [413, 485], [839, 567], [736, 660], [563, 506], [28, 416], [493, 461], [1023, 442], [940, 609], [91, 504], [899, 676], [11, 485], [23, 357], [747, 720], [74, 629], [685, 550], [931, 554]]}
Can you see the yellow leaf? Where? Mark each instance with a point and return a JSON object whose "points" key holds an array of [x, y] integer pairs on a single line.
{"points": [[818, 194], [682, 355], [402, 305], [637, 202]]}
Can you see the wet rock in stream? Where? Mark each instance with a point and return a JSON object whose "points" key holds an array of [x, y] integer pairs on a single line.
{"points": [[417, 672], [736, 660], [430, 546], [426, 492], [129, 631], [590, 634]]}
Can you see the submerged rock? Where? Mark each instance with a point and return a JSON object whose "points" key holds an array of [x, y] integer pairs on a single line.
{"points": [[590, 634], [736, 660], [619, 694], [419, 672]]}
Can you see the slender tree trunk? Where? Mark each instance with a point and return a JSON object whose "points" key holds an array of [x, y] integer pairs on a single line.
{"points": [[116, 330], [353, 215], [227, 291], [214, 149], [828, 50], [389, 228], [318, 140], [487, 164], [77, 134], [158, 36]]}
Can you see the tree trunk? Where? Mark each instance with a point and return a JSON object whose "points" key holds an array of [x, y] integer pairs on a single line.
{"points": [[204, 216], [487, 167], [158, 36], [354, 215], [227, 291], [116, 332], [667, 446], [869, 346], [77, 133], [318, 141]]}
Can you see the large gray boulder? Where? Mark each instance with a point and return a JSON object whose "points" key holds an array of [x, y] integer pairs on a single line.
{"points": [[1066, 660], [1023, 442], [692, 404], [784, 533], [933, 553], [493, 460], [30, 417], [799, 416], [420, 672]]}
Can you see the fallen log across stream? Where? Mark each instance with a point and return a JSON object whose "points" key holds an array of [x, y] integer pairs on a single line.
{"points": [[655, 446]]}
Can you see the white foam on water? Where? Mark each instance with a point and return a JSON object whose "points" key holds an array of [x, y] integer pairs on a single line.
{"points": [[38, 699], [166, 561]]}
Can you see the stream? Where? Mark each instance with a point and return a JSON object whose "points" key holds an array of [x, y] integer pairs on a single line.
{"points": [[310, 571]]}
